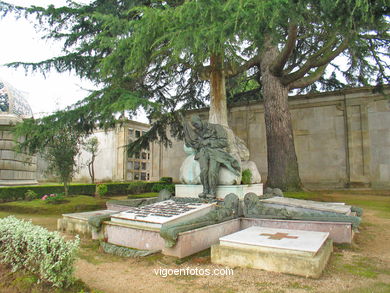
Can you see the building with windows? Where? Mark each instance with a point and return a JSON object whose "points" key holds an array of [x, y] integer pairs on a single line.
{"points": [[112, 162]]}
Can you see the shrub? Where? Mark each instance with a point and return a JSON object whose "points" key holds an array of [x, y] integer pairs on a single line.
{"points": [[101, 189], [246, 176], [18, 192], [159, 187], [166, 179], [34, 249], [30, 195]]}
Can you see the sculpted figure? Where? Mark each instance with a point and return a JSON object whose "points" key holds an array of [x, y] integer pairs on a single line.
{"points": [[228, 210], [254, 208], [209, 142]]}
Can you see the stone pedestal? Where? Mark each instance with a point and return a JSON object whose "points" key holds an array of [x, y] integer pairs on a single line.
{"points": [[303, 253], [187, 190]]}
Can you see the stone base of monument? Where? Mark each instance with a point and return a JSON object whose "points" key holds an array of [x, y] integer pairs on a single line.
{"points": [[188, 190], [303, 253], [188, 243], [78, 223], [339, 232]]}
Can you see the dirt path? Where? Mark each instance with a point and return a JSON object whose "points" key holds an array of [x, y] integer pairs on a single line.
{"points": [[361, 267]]}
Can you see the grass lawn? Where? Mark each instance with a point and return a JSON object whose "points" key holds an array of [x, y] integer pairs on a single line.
{"points": [[376, 200], [361, 267]]}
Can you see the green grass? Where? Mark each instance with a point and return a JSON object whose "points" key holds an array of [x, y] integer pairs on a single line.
{"points": [[365, 267], [377, 200], [38, 206]]}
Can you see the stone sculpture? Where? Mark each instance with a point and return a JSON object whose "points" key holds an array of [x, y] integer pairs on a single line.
{"points": [[209, 142], [254, 208], [228, 210]]}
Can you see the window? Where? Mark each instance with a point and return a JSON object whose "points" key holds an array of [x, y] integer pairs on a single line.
{"points": [[136, 165], [136, 176], [137, 133], [143, 176], [143, 166], [131, 132], [143, 156]]}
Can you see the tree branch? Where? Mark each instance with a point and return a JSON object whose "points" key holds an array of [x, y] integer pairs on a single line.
{"points": [[277, 67], [234, 70], [316, 61], [305, 81]]}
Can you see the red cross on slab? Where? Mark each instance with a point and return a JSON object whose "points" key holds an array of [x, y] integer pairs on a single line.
{"points": [[278, 236]]}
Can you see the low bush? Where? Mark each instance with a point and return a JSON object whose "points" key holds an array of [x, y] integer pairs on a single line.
{"points": [[34, 249], [166, 179], [16, 193], [30, 195], [160, 186], [101, 189]]}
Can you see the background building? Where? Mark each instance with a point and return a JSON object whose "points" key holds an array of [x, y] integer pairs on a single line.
{"points": [[112, 162], [15, 168]]}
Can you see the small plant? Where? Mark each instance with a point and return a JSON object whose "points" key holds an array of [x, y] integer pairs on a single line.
{"points": [[246, 177], [54, 198], [101, 189], [30, 195]]}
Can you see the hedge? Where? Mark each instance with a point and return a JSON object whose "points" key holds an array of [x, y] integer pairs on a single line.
{"points": [[34, 249], [15, 193]]}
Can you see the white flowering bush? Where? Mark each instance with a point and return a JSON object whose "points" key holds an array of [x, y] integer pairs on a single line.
{"points": [[25, 246]]}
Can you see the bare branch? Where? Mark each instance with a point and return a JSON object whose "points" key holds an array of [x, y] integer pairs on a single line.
{"points": [[305, 81]]}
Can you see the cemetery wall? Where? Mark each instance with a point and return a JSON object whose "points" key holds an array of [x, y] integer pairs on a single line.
{"points": [[342, 139]]}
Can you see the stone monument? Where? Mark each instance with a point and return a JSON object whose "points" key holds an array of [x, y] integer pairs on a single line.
{"points": [[216, 158]]}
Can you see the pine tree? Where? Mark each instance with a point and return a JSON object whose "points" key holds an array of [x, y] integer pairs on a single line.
{"points": [[160, 54]]}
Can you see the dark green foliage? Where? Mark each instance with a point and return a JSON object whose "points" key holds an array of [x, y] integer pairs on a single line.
{"points": [[155, 54], [18, 192], [246, 176], [158, 187], [166, 179]]}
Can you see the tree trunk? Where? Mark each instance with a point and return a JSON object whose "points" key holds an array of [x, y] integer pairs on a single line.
{"points": [[66, 188], [282, 160], [218, 105]]}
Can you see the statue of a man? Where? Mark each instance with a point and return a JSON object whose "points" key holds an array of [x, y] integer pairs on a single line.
{"points": [[209, 142]]}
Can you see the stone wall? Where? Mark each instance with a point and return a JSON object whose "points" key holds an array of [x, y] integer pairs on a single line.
{"points": [[15, 168], [342, 139]]}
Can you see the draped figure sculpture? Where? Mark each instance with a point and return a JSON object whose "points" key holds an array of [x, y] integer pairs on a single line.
{"points": [[210, 143]]}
